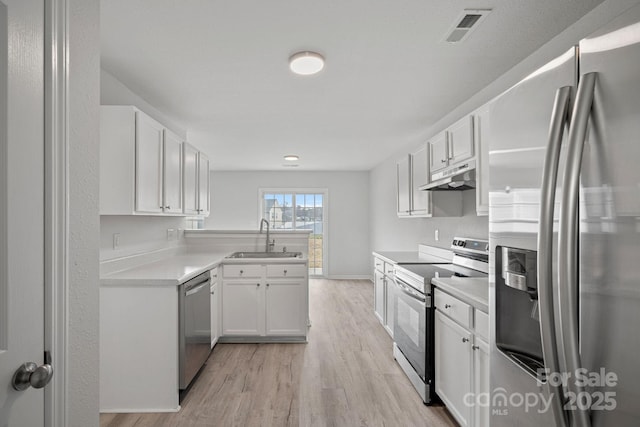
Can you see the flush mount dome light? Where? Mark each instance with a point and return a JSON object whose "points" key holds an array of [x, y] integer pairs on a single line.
{"points": [[306, 63], [292, 157]]}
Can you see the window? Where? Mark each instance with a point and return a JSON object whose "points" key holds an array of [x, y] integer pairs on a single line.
{"points": [[300, 209]]}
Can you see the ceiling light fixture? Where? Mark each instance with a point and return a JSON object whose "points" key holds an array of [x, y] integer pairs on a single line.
{"points": [[306, 63], [292, 157]]}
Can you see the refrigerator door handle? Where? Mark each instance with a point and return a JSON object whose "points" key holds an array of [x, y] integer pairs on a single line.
{"points": [[568, 240], [559, 118]]}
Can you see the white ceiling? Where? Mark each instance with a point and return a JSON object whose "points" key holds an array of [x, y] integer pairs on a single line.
{"points": [[220, 68]]}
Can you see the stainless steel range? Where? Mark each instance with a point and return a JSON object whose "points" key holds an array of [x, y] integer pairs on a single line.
{"points": [[414, 309]]}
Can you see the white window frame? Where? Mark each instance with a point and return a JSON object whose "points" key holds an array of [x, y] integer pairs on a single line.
{"points": [[325, 215]]}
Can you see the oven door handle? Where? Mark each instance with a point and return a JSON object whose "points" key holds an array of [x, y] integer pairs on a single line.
{"points": [[409, 291], [196, 289]]}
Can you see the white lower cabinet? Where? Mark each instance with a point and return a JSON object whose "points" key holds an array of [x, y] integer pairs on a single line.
{"points": [[378, 295], [482, 412], [215, 307], [453, 366], [461, 359], [285, 308], [265, 300], [242, 308], [383, 304]]}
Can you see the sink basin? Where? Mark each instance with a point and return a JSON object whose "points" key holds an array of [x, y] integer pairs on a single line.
{"points": [[266, 255]]}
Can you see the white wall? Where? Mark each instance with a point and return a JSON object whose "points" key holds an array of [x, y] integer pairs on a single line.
{"points": [[235, 205], [114, 92], [84, 137]]}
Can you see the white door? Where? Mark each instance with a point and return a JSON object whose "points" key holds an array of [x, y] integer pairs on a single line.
{"points": [[21, 206]]}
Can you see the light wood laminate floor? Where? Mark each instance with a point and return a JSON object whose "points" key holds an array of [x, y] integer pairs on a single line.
{"points": [[344, 376]]}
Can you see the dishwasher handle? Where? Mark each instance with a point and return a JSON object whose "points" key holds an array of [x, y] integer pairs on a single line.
{"points": [[196, 288]]}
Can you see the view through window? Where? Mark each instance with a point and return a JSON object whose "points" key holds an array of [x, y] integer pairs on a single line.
{"points": [[299, 211]]}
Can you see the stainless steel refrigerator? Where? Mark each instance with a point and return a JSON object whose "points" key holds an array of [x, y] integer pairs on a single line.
{"points": [[564, 231]]}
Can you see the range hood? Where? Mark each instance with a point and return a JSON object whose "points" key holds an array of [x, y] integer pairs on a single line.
{"points": [[459, 177]]}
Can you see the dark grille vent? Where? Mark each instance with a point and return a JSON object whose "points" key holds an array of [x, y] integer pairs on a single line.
{"points": [[468, 21]]}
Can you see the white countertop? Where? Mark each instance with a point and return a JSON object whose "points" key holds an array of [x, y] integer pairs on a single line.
{"points": [[172, 271], [177, 269], [472, 290]]}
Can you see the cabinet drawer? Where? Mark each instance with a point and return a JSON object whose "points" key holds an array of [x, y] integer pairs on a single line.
{"points": [[241, 271], [286, 270], [388, 269], [454, 308], [378, 264], [482, 324]]}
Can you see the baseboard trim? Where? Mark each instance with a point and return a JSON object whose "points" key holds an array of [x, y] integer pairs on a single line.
{"points": [[349, 277]]}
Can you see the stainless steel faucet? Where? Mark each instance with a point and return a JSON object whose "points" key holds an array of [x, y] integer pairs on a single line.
{"points": [[268, 244]]}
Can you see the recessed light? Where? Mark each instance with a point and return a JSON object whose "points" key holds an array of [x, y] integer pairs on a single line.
{"points": [[292, 157], [306, 63]]}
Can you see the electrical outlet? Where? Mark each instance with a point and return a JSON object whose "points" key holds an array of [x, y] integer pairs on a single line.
{"points": [[437, 235], [116, 240], [171, 234]]}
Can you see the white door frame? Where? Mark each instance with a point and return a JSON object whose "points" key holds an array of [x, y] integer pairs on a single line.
{"points": [[56, 207]]}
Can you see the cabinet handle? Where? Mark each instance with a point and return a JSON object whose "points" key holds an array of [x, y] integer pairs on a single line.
{"points": [[267, 285], [447, 306], [443, 160], [167, 207], [241, 271], [465, 339], [212, 293], [475, 347], [258, 284], [285, 272]]}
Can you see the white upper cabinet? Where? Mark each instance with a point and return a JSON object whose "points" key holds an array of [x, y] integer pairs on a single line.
{"points": [[482, 124], [149, 142], [412, 173], [403, 178], [420, 200], [172, 173], [203, 184], [144, 168], [190, 179], [460, 140], [438, 152]]}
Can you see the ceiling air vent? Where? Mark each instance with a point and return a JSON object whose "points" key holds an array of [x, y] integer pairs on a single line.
{"points": [[465, 24]]}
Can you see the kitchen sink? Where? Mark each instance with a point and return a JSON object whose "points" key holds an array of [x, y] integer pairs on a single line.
{"points": [[266, 255]]}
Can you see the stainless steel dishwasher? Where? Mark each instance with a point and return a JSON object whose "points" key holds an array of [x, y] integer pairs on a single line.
{"points": [[195, 327]]}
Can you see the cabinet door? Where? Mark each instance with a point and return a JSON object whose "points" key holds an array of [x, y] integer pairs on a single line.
{"points": [[190, 179], [420, 200], [215, 314], [243, 308], [389, 305], [378, 295], [453, 366], [284, 307], [461, 140], [403, 187], [172, 173], [149, 147], [481, 413], [203, 184], [482, 131], [438, 152]]}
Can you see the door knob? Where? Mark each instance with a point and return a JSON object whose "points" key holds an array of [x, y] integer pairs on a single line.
{"points": [[32, 375]]}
